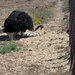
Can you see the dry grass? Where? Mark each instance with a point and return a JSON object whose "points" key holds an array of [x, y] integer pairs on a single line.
{"points": [[34, 8]]}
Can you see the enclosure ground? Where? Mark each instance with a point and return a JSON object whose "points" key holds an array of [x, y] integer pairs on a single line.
{"points": [[45, 54]]}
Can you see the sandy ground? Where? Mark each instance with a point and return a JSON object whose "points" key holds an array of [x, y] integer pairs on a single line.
{"points": [[44, 53]]}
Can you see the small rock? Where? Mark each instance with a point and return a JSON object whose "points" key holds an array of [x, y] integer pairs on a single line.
{"points": [[44, 32], [51, 39], [30, 50]]}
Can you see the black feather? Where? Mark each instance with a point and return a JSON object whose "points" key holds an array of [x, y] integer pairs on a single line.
{"points": [[18, 21]]}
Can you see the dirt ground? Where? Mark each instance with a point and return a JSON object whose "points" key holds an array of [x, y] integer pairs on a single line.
{"points": [[44, 53]]}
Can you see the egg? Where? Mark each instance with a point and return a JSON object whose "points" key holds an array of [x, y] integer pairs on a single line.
{"points": [[24, 34], [31, 35], [39, 33]]}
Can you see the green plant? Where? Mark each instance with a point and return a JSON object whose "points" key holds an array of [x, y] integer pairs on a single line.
{"points": [[37, 22], [65, 57], [66, 24], [8, 47], [65, 6], [26, 49], [3, 43], [41, 14]]}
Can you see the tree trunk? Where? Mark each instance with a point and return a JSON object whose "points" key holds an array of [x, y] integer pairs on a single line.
{"points": [[72, 36]]}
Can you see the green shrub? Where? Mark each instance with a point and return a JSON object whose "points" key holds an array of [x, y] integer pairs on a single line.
{"points": [[8, 47], [37, 22]]}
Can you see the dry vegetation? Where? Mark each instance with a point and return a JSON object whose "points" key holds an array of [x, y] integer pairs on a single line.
{"points": [[34, 8]]}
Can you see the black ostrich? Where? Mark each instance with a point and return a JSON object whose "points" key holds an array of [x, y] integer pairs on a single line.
{"points": [[18, 21]]}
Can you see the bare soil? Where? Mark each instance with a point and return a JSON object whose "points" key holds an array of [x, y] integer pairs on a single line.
{"points": [[44, 54]]}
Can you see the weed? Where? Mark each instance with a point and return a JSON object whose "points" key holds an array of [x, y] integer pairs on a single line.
{"points": [[66, 23], [26, 49], [41, 14], [3, 43], [8, 47], [37, 22], [65, 57], [65, 6]]}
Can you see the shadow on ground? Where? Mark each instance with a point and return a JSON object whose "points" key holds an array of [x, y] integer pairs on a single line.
{"points": [[6, 38]]}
